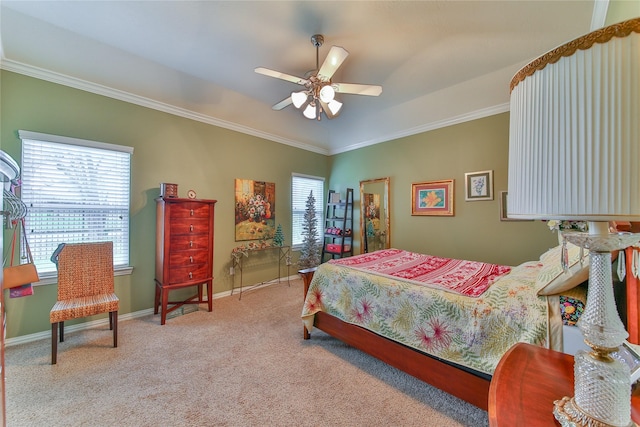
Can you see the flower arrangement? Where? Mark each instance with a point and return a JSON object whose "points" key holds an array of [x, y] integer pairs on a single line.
{"points": [[255, 207], [564, 225], [243, 250], [478, 185], [371, 210]]}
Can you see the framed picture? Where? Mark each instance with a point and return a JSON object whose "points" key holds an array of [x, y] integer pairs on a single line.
{"points": [[503, 208], [255, 208], [432, 198], [479, 185]]}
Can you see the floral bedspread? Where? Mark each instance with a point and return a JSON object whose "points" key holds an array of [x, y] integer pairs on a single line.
{"points": [[473, 332]]}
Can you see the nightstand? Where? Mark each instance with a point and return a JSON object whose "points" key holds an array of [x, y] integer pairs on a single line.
{"points": [[526, 382]]}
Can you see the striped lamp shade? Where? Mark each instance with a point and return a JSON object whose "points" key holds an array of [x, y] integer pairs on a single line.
{"points": [[574, 138]]}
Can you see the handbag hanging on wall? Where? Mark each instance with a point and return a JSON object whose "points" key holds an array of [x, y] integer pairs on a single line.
{"points": [[19, 278]]}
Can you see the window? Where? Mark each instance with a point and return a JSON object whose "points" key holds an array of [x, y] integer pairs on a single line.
{"points": [[301, 187], [75, 191]]}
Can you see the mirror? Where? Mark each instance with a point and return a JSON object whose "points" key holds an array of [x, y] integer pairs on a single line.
{"points": [[375, 231]]}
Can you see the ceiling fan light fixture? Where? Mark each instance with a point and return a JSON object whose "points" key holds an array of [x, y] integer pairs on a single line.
{"points": [[310, 111], [335, 106], [327, 93], [318, 97], [299, 98]]}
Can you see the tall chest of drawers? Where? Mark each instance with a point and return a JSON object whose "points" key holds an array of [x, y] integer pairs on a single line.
{"points": [[184, 251]]}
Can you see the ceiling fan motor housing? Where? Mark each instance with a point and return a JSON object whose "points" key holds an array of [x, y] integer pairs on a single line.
{"points": [[317, 40]]}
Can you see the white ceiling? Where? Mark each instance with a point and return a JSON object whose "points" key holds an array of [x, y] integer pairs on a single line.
{"points": [[439, 62]]}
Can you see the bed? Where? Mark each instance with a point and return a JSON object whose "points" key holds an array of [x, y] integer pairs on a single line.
{"points": [[447, 335]]}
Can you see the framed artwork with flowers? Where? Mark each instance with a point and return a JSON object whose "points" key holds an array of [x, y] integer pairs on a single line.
{"points": [[432, 198], [478, 185], [255, 209]]}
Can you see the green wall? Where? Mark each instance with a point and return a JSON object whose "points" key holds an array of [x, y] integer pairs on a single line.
{"points": [[167, 148], [621, 10]]}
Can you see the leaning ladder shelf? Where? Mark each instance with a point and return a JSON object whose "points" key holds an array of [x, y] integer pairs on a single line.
{"points": [[338, 226]]}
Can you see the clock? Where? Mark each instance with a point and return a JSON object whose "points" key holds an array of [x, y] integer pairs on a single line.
{"points": [[191, 194]]}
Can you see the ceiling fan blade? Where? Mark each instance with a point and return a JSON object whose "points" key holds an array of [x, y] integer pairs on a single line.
{"points": [[334, 59], [356, 89], [282, 104], [282, 76]]}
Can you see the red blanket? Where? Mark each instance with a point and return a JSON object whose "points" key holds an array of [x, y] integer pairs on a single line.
{"points": [[469, 278]]}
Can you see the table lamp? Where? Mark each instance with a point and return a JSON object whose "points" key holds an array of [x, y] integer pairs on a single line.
{"points": [[574, 154]]}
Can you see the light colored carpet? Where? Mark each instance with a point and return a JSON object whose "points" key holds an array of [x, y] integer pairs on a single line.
{"points": [[244, 364]]}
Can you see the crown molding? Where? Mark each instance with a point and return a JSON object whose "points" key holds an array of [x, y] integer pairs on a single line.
{"points": [[58, 78], [98, 89], [467, 117]]}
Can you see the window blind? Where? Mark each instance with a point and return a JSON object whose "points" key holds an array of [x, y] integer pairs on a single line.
{"points": [[75, 191], [301, 187]]}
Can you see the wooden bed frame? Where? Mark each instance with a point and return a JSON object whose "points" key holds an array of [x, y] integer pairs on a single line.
{"points": [[466, 384]]}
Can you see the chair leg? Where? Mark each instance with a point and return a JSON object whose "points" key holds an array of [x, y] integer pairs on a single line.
{"points": [[61, 331], [54, 343], [113, 318]]}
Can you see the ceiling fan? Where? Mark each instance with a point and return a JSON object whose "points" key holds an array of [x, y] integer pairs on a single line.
{"points": [[319, 91]]}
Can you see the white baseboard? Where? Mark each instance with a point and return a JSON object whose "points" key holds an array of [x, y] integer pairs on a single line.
{"points": [[123, 317], [79, 327]]}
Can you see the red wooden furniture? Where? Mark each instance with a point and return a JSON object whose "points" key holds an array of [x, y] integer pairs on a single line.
{"points": [[184, 251], [633, 302]]}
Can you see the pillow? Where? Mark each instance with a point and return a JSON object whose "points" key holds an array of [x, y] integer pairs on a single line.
{"points": [[572, 303], [551, 277], [570, 310]]}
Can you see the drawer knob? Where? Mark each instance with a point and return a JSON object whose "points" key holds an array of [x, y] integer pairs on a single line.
{"points": [[191, 227], [190, 275], [191, 212], [190, 243], [191, 259]]}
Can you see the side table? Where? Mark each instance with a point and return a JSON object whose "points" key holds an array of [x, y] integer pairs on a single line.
{"points": [[284, 254], [526, 382]]}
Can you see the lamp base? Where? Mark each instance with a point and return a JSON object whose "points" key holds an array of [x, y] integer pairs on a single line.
{"points": [[602, 385], [569, 414]]}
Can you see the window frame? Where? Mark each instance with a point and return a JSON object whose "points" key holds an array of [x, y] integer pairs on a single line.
{"points": [[122, 259], [295, 210]]}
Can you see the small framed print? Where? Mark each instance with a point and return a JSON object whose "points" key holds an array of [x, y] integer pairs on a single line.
{"points": [[478, 185], [432, 198], [503, 208]]}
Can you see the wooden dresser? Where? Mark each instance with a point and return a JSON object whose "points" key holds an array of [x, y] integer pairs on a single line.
{"points": [[184, 251]]}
